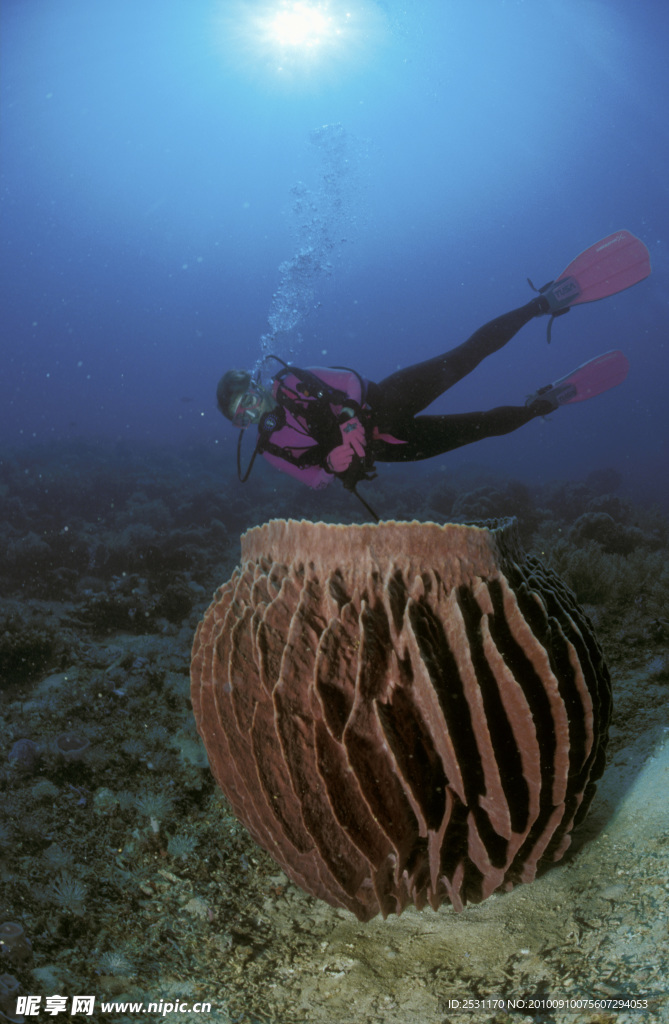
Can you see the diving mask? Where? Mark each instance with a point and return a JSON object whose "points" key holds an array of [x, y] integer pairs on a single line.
{"points": [[249, 407]]}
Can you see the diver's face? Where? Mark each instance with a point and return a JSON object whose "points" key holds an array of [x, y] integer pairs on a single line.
{"points": [[250, 406]]}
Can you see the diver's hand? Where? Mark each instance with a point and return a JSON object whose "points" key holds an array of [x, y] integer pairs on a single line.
{"points": [[353, 433], [340, 458], [353, 446]]}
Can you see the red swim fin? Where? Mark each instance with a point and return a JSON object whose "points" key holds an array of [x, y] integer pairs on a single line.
{"points": [[592, 378], [607, 267]]}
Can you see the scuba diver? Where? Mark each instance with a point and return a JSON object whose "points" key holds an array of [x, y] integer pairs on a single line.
{"points": [[321, 424]]}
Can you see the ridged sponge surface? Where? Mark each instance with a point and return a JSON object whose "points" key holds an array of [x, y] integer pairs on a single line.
{"points": [[403, 712]]}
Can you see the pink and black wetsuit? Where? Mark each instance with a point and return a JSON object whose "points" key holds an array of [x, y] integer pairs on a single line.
{"points": [[309, 428], [389, 409]]}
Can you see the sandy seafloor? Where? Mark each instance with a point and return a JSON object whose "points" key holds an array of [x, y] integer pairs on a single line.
{"points": [[131, 878]]}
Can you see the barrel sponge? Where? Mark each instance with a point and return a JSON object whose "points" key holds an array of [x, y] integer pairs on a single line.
{"points": [[403, 712]]}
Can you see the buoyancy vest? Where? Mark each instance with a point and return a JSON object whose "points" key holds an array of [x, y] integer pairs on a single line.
{"points": [[297, 436]]}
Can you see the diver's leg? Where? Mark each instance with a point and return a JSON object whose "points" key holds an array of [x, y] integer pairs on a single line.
{"points": [[427, 436], [408, 391]]}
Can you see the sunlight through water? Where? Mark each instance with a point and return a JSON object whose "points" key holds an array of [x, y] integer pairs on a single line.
{"points": [[296, 40], [299, 24]]}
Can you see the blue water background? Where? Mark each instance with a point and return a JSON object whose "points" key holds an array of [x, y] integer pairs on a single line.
{"points": [[159, 170]]}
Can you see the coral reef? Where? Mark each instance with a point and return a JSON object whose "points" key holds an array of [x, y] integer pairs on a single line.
{"points": [[9, 990], [71, 746], [27, 649], [15, 946], [613, 537], [24, 755], [195, 907]]}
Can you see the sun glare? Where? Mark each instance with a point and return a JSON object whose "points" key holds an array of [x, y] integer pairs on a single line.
{"points": [[301, 25], [297, 40]]}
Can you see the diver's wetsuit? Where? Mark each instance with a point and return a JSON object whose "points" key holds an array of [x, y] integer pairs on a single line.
{"points": [[302, 440], [396, 400]]}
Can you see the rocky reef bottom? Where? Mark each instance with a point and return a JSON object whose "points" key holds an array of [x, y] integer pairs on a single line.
{"points": [[122, 866]]}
